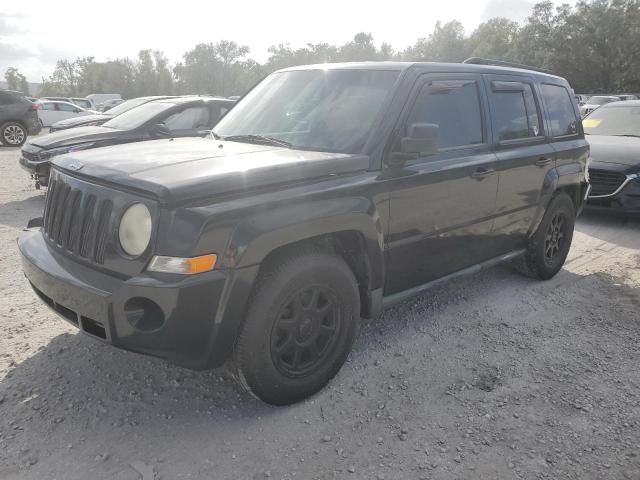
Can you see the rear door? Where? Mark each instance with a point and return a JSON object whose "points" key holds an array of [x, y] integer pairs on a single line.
{"points": [[524, 155], [442, 205], [47, 113], [567, 136]]}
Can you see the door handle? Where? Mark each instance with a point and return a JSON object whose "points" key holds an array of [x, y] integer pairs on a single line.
{"points": [[543, 161], [482, 172]]}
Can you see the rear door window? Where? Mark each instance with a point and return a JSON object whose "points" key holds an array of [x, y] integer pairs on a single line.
{"points": [[514, 112], [562, 115], [453, 105]]}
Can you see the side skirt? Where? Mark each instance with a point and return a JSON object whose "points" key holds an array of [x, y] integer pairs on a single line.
{"points": [[395, 298]]}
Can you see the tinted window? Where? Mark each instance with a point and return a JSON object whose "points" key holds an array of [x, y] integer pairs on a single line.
{"points": [[324, 110], [513, 111], [455, 107], [47, 106], [7, 99], [138, 116], [189, 119], [128, 105], [561, 114]]}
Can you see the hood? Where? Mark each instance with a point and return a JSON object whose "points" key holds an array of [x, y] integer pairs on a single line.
{"points": [[623, 151], [82, 120], [176, 170], [73, 136]]}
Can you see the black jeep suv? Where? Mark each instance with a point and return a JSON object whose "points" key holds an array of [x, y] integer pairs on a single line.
{"points": [[328, 193], [18, 118]]}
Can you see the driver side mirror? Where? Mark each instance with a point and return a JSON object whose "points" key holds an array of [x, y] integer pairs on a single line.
{"points": [[422, 138], [159, 130]]}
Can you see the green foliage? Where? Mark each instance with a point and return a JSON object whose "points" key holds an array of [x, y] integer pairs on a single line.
{"points": [[16, 80], [594, 44]]}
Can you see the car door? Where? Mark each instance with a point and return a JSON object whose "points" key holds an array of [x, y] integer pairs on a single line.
{"points": [[67, 110], [566, 131], [524, 155], [191, 121], [442, 204], [47, 113]]}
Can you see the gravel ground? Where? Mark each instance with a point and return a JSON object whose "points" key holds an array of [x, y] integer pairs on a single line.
{"points": [[492, 376]]}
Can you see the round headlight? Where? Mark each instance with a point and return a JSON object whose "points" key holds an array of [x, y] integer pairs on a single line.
{"points": [[135, 229]]}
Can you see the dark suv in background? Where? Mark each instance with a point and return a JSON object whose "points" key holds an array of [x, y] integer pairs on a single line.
{"points": [[18, 118], [327, 194]]}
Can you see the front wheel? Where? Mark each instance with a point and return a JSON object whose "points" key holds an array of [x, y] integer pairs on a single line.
{"points": [[548, 248], [13, 134], [299, 329]]}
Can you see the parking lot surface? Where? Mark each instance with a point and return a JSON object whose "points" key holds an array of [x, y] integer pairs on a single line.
{"points": [[491, 376]]}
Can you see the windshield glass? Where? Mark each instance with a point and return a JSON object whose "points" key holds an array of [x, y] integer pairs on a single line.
{"points": [[138, 116], [126, 106], [323, 110], [601, 100], [613, 121]]}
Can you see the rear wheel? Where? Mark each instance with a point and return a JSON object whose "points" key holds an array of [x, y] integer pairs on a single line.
{"points": [[13, 134], [548, 248], [299, 330]]}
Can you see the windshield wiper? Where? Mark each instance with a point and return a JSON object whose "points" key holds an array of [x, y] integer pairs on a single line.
{"points": [[262, 139], [627, 135]]}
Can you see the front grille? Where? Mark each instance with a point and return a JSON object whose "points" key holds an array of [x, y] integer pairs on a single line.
{"points": [[604, 182], [77, 221]]}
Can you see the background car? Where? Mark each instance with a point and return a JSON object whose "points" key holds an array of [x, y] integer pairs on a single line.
{"points": [[100, 118], [50, 112], [188, 116], [627, 96], [82, 102], [18, 118], [595, 102], [109, 104], [98, 98], [614, 135]]}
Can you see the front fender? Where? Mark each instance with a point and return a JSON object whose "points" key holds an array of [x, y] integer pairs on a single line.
{"points": [[261, 233]]}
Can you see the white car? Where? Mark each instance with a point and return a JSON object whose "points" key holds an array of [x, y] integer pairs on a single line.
{"points": [[596, 101], [51, 112]]}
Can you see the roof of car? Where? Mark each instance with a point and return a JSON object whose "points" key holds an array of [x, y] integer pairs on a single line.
{"points": [[622, 103], [194, 98], [401, 66]]}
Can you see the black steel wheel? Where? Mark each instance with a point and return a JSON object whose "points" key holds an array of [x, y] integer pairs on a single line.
{"points": [[549, 246], [305, 331], [301, 323], [555, 237]]}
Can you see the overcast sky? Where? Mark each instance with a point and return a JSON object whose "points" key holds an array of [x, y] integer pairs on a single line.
{"points": [[34, 34]]}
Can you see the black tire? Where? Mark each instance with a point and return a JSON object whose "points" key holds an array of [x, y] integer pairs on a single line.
{"points": [[548, 248], [286, 321], [13, 134]]}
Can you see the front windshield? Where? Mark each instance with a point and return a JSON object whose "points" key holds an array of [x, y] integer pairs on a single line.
{"points": [[138, 116], [613, 121], [601, 100], [322, 110], [126, 106]]}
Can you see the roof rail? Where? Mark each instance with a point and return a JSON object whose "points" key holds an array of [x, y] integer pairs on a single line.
{"points": [[500, 63]]}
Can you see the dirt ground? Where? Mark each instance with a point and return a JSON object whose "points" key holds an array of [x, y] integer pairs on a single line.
{"points": [[493, 376]]}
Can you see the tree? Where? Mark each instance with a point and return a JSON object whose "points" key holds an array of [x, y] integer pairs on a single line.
{"points": [[447, 43], [494, 39], [16, 80]]}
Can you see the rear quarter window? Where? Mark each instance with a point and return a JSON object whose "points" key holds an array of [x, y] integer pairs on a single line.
{"points": [[514, 112], [562, 116]]}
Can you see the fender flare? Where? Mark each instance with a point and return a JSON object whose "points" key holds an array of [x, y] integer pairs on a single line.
{"points": [[259, 234]]}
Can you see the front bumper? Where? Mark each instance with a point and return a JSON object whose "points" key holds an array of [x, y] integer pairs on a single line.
{"points": [[624, 201], [37, 168], [191, 321]]}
